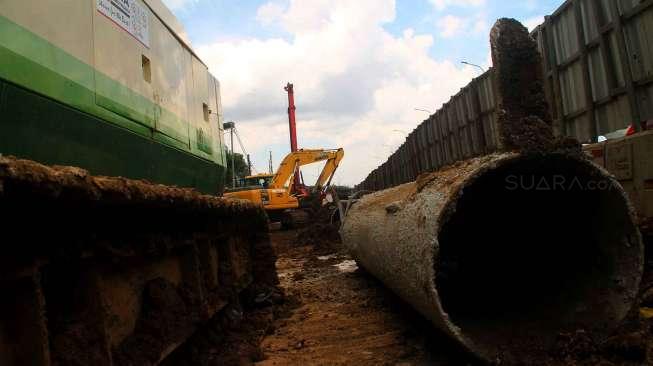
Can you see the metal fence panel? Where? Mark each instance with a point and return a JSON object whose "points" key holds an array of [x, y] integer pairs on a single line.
{"points": [[598, 65], [598, 71]]}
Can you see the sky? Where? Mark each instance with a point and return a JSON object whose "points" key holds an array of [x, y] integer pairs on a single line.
{"points": [[360, 68]]}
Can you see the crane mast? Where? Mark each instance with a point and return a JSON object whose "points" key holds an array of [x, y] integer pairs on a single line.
{"points": [[292, 124]]}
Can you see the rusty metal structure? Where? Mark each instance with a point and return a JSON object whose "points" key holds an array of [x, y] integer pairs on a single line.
{"points": [[518, 237]]}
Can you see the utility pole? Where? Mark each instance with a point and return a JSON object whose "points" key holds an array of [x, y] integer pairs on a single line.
{"points": [[249, 166], [233, 160], [231, 125], [271, 172]]}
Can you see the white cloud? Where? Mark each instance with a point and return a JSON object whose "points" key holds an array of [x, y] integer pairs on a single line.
{"points": [[450, 26], [441, 5], [355, 83], [269, 13], [178, 4], [481, 26], [532, 23]]}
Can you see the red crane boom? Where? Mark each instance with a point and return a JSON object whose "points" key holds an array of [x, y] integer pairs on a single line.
{"points": [[297, 186]]}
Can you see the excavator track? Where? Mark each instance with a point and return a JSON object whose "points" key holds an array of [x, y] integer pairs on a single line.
{"points": [[111, 271]]}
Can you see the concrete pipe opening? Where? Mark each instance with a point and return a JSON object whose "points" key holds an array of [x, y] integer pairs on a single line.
{"points": [[535, 247]]}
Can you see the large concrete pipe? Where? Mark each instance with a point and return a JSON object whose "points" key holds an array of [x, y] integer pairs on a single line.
{"points": [[505, 252]]}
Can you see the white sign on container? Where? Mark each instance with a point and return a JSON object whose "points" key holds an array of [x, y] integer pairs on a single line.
{"points": [[129, 15]]}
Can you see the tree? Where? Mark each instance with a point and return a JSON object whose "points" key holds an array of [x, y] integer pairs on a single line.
{"points": [[242, 169]]}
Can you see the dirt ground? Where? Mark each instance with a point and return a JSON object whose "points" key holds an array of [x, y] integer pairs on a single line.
{"points": [[337, 314], [342, 316], [334, 313]]}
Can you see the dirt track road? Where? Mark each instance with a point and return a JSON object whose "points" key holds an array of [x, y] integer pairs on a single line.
{"points": [[342, 316]]}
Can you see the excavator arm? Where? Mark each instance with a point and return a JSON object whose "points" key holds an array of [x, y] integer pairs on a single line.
{"points": [[305, 157], [329, 170]]}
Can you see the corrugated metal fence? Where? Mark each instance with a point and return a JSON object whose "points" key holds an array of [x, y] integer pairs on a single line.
{"points": [[598, 71], [598, 65]]}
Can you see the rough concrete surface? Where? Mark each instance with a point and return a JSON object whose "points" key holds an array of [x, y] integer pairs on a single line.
{"points": [[524, 122], [419, 240], [503, 252]]}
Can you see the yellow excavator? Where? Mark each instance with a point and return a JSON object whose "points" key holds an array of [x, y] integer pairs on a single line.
{"points": [[285, 199]]}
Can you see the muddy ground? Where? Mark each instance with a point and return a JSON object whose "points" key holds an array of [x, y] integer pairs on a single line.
{"points": [[334, 313], [342, 316]]}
